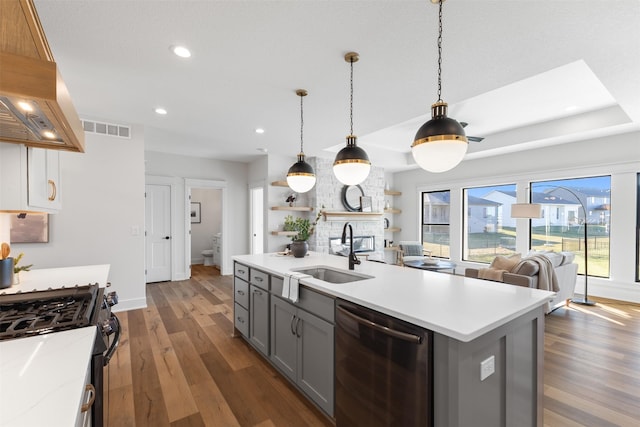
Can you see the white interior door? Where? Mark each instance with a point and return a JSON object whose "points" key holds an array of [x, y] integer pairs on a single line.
{"points": [[257, 220], [158, 232]]}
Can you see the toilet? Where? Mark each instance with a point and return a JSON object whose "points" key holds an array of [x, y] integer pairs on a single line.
{"points": [[207, 254]]}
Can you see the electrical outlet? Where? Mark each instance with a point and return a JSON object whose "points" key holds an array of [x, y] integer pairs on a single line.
{"points": [[487, 367]]}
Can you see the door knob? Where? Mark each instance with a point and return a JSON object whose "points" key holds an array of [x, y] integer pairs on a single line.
{"points": [[167, 237]]}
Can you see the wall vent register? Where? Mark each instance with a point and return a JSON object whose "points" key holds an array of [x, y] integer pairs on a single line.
{"points": [[109, 129]]}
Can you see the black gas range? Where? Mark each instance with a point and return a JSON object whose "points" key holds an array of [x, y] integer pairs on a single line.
{"points": [[25, 314]]}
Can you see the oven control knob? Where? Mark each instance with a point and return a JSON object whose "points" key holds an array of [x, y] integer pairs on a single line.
{"points": [[111, 298], [109, 326]]}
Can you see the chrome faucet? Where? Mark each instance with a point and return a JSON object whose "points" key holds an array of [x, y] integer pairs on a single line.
{"points": [[353, 259]]}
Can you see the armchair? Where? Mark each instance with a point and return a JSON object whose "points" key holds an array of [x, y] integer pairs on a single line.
{"points": [[412, 250]]}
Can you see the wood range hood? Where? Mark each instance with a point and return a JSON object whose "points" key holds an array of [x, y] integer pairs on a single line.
{"points": [[35, 106]]}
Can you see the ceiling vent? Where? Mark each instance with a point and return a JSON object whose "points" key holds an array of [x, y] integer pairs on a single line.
{"points": [[109, 129]]}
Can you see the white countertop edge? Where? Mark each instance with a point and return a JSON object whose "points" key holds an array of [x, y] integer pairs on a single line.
{"points": [[42, 378], [445, 322], [54, 278]]}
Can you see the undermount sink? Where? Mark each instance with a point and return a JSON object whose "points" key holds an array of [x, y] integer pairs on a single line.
{"points": [[332, 275]]}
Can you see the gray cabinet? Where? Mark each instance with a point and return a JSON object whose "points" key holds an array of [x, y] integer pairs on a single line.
{"points": [[259, 319], [302, 348]]}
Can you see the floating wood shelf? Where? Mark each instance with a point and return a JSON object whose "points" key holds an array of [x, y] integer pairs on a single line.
{"points": [[392, 193], [350, 216], [280, 184], [292, 208], [284, 233], [393, 229], [393, 211]]}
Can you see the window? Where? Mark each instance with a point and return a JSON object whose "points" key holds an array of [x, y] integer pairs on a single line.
{"points": [[435, 223], [489, 228], [579, 203]]}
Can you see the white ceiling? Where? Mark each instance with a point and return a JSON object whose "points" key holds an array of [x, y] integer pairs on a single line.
{"points": [[522, 73]]}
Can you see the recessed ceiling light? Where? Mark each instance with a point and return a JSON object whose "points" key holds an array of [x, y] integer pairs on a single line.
{"points": [[262, 150], [161, 111], [48, 134], [181, 51], [259, 130]]}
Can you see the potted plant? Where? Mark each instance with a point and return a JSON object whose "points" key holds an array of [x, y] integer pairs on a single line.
{"points": [[304, 229]]}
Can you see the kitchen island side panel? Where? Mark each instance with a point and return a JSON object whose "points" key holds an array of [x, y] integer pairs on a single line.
{"points": [[511, 396]]}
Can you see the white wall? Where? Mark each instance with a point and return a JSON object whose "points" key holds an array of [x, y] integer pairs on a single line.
{"points": [[618, 156], [102, 216], [234, 174]]}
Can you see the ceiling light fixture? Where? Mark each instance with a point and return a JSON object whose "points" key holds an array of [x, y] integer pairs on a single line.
{"points": [[161, 111], [181, 51], [352, 164], [440, 144], [260, 131], [301, 177]]}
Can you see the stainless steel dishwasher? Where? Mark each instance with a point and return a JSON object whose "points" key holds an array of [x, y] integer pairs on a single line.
{"points": [[384, 370]]}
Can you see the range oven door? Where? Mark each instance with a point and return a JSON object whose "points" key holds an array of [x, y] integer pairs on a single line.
{"points": [[104, 348]]}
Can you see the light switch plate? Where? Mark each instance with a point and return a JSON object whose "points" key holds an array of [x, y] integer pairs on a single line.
{"points": [[487, 367]]}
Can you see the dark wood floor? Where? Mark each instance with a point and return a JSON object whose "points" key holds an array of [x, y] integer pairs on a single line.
{"points": [[178, 365]]}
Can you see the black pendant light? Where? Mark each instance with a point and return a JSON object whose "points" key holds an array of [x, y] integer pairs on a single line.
{"points": [[352, 164], [440, 143], [301, 177]]}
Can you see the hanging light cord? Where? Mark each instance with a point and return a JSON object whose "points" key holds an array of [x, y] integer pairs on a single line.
{"points": [[351, 100], [440, 53], [301, 124]]}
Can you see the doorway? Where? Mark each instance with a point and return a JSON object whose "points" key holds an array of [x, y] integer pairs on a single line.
{"points": [[256, 197], [157, 233]]}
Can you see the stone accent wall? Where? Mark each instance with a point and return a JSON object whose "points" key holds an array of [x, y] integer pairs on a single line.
{"points": [[327, 192]]}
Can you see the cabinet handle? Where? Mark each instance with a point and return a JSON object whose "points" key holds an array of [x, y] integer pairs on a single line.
{"points": [[257, 291], [240, 319], [259, 279], [240, 292], [92, 397], [54, 190], [291, 326], [241, 271], [297, 325]]}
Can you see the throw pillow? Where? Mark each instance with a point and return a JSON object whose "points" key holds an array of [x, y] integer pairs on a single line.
{"points": [[555, 258], [569, 257], [502, 262]]}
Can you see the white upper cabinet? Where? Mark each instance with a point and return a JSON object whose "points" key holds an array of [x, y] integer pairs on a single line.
{"points": [[30, 179]]}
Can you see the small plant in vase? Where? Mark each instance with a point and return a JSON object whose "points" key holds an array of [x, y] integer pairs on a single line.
{"points": [[304, 229], [18, 268]]}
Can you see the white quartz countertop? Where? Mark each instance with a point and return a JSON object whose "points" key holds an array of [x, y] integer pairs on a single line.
{"points": [[45, 278], [456, 306], [42, 378]]}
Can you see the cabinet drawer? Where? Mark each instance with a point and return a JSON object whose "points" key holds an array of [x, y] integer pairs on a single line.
{"points": [[241, 319], [316, 303], [241, 271], [241, 292], [259, 278]]}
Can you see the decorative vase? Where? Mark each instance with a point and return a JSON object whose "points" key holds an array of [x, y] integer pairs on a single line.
{"points": [[6, 273], [16, 278], [299, 248]]}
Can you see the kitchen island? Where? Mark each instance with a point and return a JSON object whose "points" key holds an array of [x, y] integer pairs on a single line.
{"points": [[473, 322]]}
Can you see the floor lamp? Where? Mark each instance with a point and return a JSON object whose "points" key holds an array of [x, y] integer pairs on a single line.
{"points": [[534, 210]]}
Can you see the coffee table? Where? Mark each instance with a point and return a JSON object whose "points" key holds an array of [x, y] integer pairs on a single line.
{"points": [[439, 266]]}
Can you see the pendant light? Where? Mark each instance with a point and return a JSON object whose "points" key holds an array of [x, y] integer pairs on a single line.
{"points": [[352, 164], [440, 144], [301, 177]]}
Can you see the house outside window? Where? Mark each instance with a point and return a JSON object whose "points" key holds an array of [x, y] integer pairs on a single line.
{"points": [[489, 228], [578, 203], [435, 223]]}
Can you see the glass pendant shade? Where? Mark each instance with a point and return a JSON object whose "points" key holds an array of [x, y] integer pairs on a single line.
{"points": [[352, 164], [440, 144], [301, 177]]}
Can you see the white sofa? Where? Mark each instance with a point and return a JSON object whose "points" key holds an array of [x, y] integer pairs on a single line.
{"points": [[565, 269]]}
